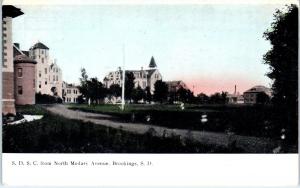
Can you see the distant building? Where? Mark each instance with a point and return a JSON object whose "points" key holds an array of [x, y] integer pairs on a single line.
{"points": [[252, 94], [173, 86], [70, 93], [143, 77], [48, 73], [8, 90], [235, 98]]}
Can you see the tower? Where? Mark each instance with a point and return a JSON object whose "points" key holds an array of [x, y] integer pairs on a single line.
{"points": [[40, 53], [152, 64]]}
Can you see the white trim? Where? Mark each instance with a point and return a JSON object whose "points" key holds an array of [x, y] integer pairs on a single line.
{"points": [[8, 100]]}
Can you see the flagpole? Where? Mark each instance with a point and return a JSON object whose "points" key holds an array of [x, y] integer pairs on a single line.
{"points": [[123, 80]]}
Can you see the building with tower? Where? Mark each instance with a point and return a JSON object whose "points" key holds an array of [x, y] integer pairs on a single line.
{"points": [[48, 74], [8, 90], [143, 77]]}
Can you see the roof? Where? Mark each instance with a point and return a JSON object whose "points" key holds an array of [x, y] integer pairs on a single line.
{"points": [[259, 89], [39, 45], [11, 11], [176, 83], [152, 63], [23, 59]]}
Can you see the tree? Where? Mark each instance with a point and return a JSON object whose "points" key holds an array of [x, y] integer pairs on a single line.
{"points": [[138, 94], [129, 85], [160, 91], [83, 83], [218, 98], [262, 98], [185, 95], [115, 90], [148, 95], [283, 62], [202, 98]]}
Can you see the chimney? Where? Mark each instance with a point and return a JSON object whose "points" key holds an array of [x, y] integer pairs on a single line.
{"points": [[234, 89], [17, 45]]}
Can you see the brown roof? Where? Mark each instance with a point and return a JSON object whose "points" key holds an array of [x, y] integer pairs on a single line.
{"points": [[23, 59]]}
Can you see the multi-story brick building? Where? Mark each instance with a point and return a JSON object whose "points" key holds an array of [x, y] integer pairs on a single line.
{"points": [[48, 74], [8, 94], [143, 77]]}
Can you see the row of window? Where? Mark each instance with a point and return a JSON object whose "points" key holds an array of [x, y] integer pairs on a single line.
{"points": [[55, 77], [71, 99], [69, 91]]}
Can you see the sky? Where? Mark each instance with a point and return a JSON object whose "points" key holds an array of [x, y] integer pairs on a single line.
{"points": [[211, 47]]}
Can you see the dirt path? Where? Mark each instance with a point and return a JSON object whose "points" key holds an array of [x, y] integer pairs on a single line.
{"points": [[247, 143]]}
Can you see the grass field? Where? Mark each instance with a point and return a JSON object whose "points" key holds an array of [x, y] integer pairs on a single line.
{"points": [[55, 134], [238, 119]]}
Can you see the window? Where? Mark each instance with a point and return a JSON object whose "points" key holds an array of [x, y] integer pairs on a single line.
{"points": [[53, 77], [45, 70], [40, 73], [33, 83], [46, 82], [42, 60], [40, 84], [57, 70], [42, 51], [56, 77], [4, 35], [20, 72], [20, 90]]}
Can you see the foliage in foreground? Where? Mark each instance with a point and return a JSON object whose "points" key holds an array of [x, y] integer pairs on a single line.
{"points": [[55, 134], [283, 62]]}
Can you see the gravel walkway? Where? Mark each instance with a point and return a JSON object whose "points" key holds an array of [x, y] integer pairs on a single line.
{"points": [[247, 143]]}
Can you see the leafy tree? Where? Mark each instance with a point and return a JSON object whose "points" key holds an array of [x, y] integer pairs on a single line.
{"points": [[283, 62], [202, 98], [218, 98], [185, 95], [129, 85], [115, 90], [96, 91], [138, 94], [148, 95], [83, 83], [160, 91], [262, 98]]}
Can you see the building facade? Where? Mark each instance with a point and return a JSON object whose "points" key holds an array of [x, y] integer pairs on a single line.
{"points": [[251, 96], [48, 74], [8, 94], [143, 77], [70, 93]]}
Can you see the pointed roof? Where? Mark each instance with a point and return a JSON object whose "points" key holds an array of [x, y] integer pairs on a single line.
{"points": [[39, 45], [152, 63], [10, 11]]}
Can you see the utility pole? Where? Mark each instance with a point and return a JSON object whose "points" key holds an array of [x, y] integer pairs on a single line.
{"points": [[123, 80]]}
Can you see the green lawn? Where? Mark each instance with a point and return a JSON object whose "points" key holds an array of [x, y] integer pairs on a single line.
{"points": [[55, 134]]}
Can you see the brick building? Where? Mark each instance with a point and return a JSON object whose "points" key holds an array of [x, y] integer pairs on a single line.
{"points": [[8, 94]]}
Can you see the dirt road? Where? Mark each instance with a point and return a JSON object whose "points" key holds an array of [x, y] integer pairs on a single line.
{"points": [[247, 143]]}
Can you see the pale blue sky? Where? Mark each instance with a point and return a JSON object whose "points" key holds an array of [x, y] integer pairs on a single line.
{"points": [[211, 47]]}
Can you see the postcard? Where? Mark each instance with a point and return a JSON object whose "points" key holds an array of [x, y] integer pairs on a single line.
{"points": [[130, 93]]}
